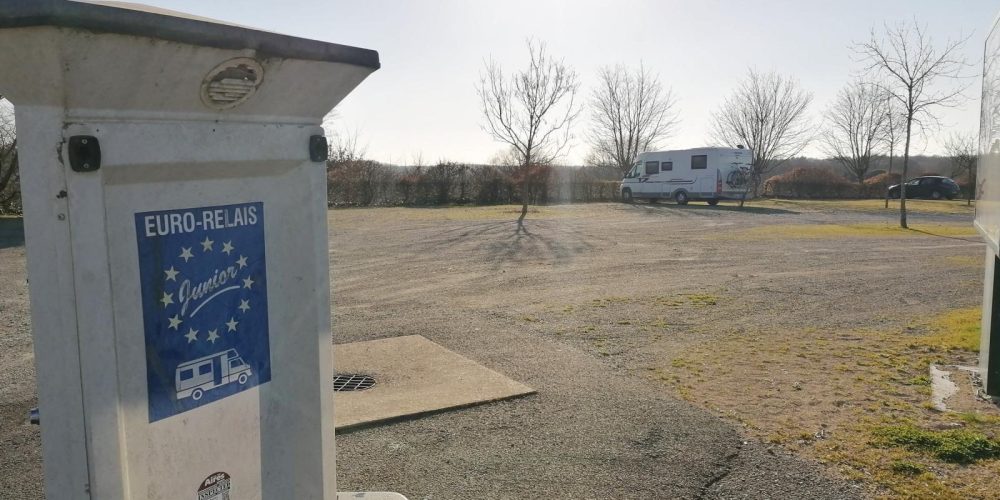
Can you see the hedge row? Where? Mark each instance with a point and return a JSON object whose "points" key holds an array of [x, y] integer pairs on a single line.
{"points": [[368, 183], [803, 182]]}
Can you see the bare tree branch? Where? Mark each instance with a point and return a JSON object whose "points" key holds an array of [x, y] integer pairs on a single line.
{"points": [[767, 114], [963, 149], [10, 185], [531, 111], [631, 113], [908, 65], [856, 125]]}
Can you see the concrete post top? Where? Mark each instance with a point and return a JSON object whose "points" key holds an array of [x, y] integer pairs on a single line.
{"points": [[140, 20], [123, 61]]}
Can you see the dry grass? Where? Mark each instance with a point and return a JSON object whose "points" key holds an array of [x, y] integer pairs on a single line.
{"points": [[859, 230], [915, 206], [956, 330], [836, 396], [965, 260]]}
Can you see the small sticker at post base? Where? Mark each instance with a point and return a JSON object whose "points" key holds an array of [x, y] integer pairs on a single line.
{"points": [[215, 487]]}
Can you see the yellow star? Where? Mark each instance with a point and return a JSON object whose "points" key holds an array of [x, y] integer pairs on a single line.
{"points": [[206, 246], [186, 254], [168, 298], [171, 274], [175, 322], [231, 324], [247, 283], [227, 247]]}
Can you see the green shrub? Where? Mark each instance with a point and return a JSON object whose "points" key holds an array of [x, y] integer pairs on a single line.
{"points": [[907, 468], [958, 446]]}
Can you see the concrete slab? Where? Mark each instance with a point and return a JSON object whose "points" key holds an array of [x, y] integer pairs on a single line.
{"points": [[369, 495], [414, 376], [942, 387], [957, 388]]}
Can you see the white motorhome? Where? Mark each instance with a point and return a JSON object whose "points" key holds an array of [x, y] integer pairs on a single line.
{"points": [[709, 174], [199, 375]]}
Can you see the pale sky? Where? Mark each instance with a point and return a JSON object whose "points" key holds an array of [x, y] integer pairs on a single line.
{"points": [[423, 101]]}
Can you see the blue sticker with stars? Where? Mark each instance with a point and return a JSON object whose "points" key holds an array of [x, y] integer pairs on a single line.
{"points": [[204, 304]]}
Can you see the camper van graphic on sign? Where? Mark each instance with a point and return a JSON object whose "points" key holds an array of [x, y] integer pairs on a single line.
{"points": [[204, 304]]}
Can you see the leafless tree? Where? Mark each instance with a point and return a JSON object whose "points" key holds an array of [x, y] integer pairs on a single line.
{"points": [[345, 146], [351, 178], [893, 130], [767, 114], [631, 112], [10, 186], [855, 124], [531, 111], [964, 153], [910, 65]]}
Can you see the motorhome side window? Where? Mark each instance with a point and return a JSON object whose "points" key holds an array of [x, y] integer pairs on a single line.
{"points": [[652, 167], [634, 172], [667, 165], [699, 162]]}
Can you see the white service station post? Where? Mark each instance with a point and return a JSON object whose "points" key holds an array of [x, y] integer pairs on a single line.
{"points": [[174, 184], [988, 211]]}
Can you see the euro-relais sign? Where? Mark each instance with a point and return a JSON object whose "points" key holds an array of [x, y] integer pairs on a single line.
{"points": [[204, 304]]}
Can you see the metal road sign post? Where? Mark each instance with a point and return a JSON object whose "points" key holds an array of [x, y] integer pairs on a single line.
{"points": [[174, 191]]}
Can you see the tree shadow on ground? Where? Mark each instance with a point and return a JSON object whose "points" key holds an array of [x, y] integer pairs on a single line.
{"points": [[537, 241], [699, 210], [11, 232], [974, 239]]}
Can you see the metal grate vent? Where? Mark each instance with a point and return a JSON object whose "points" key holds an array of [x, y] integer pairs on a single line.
{"points": [[231, 83], [352, 382]]}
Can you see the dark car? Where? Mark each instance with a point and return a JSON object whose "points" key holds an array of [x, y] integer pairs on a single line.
{"points": [[934, 187]]}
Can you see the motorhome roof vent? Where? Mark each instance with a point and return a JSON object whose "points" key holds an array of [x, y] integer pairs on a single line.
{"points": [[231, 83], [739, 146]]}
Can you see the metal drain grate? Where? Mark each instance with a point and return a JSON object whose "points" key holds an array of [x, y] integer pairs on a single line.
{"points": [[352, 382]]}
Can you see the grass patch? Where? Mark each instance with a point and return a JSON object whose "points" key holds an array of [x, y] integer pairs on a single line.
{"points": [[915, 206], [955, 330], [907, 468], [958, 446], [978, 418], [860, 230], [700, 299], [965, 260], [862, 396]]}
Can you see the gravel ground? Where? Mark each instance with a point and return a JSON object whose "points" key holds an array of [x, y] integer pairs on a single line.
{"points": [[545, 306]]}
